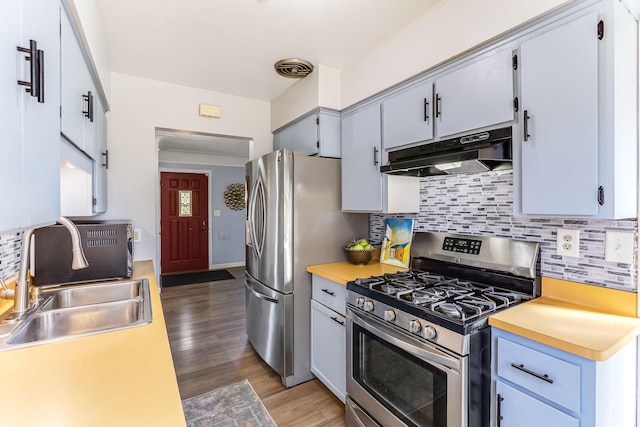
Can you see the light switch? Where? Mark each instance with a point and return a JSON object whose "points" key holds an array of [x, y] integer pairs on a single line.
{"points": [[216, 212], [618, 246], [137, 235]]}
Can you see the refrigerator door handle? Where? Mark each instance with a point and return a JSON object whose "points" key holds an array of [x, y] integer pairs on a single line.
{"points": [[262, 296], [257, 198]]}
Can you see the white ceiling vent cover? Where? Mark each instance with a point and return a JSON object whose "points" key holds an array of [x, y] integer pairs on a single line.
{"points": [[293, 68]]}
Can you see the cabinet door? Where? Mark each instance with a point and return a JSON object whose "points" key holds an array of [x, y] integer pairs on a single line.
{"points": [[559, 81], [329, 134], [11, 98], [518, 409], [477, 95], [407, 116], [41, 121], [76, 84], [361, 157], [101, 162], [328, 348], [305, 135]]}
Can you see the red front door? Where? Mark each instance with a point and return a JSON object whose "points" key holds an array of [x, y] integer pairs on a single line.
{"points": [[184, 212]]}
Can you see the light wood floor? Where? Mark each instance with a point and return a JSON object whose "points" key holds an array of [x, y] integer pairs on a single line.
{"points": [[206, 326]]}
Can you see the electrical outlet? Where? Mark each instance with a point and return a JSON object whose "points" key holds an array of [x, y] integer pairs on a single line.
{"points": [[618, 247], [568, 242], [137, 235]]}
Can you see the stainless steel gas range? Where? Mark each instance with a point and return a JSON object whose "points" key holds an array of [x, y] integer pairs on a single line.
{"points": [[418, 342]]}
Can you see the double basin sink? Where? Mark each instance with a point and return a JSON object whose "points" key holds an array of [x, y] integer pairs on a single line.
{"points": [[81, 310]]}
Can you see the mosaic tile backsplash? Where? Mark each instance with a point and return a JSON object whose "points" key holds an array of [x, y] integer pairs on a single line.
{"points": [[10, 254], [482, 204]]}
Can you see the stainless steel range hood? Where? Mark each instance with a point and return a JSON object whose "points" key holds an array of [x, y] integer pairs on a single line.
{"points": [[483, 151]]}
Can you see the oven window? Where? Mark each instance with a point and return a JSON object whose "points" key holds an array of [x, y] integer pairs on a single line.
{"points": [[414, 390]]}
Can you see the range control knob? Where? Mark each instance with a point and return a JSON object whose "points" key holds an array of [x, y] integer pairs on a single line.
{"points": [[415, 326], [359, 302], [429, 332], [368, 306], [389, 315]]}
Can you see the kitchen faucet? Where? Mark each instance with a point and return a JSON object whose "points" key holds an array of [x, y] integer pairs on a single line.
{"points": [[21, 291]]}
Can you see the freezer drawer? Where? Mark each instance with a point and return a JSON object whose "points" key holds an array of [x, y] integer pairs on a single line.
{"points": [[270, 325]]}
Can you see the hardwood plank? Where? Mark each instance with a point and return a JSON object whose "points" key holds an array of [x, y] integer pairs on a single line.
{"points": [[206, 326]]}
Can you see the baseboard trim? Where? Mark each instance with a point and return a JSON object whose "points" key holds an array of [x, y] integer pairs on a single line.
{"points": [[227, 265]]}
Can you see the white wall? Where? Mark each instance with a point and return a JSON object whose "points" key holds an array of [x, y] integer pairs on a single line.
{"points": [[321, 88], [138, 107], [445, 31]]}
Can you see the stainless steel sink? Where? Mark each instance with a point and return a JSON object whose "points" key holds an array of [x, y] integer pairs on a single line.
{"points": [[82, 310], [93, 294]]}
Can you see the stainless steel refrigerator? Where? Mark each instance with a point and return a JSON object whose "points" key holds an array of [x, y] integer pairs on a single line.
{"points": [[293, 220]]}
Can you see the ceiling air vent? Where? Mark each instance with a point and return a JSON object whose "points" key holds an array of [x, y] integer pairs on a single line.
{"points": [[293, 68]]}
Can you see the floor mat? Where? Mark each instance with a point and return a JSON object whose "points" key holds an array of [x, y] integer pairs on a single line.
{"points": [[168, 280], [233, 405]]}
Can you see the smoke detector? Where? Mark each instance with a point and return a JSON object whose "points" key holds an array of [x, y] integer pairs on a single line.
{"points": [[293, 68]]}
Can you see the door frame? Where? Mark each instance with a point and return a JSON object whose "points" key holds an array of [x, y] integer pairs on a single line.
{"points": [[209, 174]]}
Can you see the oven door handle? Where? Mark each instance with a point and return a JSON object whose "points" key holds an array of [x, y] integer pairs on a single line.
{"points": [[426, 353]]}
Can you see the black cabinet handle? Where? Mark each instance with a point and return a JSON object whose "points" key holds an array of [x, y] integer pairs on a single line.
{"points": [[36, 59], [543, 377], [438, 104], [375, 156], [426, 110], [89, 112], [40, 72], [499, 411], [106, 159], [328, 292], [526, 125], [335, 319]]}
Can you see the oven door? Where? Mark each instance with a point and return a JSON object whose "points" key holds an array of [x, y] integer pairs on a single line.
{"points": [[400, 380]]}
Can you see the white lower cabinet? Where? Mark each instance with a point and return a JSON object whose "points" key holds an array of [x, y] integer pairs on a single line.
{"points": [[538, 385], [328, 335]]}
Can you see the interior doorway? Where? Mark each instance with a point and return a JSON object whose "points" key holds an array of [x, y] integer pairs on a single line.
{"points": [[184, 228]]}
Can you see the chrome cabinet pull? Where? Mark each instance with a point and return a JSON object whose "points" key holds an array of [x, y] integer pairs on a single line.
{"points": [[526, 125], [375, 156], [106, 159], [328, 292], [543, 377]]}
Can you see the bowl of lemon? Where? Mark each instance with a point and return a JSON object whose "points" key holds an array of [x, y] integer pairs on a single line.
{"points": [[359, 251]]}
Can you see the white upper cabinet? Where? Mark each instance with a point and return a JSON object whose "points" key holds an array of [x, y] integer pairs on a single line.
{"points": [[477, 95], [30, 54], [559, 71], [579, 118], [408, 116], [79, 96], [317, 133], [364, 188], [101, 163]]}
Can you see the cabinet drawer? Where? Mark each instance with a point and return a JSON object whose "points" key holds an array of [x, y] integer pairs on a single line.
{"points": [[518, 409], [549, 377], [329, 293]]}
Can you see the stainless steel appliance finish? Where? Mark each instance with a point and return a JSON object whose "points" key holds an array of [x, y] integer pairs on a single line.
{"points": [[418, 342], [107, 245], [479, 152], [294, 219]]}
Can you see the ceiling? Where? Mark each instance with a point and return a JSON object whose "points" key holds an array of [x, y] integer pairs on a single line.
{"points": [[230, 46]]}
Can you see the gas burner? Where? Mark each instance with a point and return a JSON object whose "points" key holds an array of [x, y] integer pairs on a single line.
{"points": [[424, 296], [428, 278], [386, 288], [368, 282], [408, 284], [448, 309]]}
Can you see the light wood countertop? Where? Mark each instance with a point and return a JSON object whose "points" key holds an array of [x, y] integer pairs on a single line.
{"points": [[121, 378], [588, 321], [343, 272]]}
